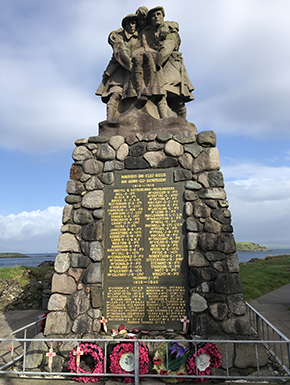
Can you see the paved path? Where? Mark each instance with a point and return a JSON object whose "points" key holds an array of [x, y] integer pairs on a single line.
{"points": [[275, 307], [12, 321]]}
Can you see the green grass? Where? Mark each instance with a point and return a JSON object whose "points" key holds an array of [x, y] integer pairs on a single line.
{"points": [[264, 275], [24, 274]]}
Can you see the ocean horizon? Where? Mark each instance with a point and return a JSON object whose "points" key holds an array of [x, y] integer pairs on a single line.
{"points": [[34, 259]]}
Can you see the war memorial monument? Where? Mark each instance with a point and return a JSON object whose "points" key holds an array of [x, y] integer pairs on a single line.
{"points": [[147, 243]]}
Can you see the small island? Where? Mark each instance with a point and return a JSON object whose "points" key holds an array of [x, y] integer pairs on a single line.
{"points": [[250, 246], [12, 255]]}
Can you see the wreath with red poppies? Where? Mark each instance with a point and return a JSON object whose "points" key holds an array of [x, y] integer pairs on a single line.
{"points": [[176, 353], [94, 354], [122, 360], [200, 361], [43, 322]]}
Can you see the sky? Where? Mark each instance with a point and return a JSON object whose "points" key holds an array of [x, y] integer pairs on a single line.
{"points": [[52, 56]]}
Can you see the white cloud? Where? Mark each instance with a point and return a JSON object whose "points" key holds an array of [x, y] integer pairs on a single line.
{"points": [[35, 231], [259, 202]]}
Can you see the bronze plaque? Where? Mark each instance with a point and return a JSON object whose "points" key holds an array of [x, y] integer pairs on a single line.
{"points": [[145, 272]]}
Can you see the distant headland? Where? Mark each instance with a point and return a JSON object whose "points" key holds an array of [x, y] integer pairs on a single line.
{"points": [[12, 255], [250, 246]]}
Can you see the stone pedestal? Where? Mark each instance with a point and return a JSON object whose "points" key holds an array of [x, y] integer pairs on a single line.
{"points": [[215, 300]]}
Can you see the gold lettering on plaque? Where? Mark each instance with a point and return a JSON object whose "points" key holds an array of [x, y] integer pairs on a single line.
{"points": [[144, 253]]}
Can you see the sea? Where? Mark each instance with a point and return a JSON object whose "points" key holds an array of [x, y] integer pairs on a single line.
{"points": [[36, 259]]}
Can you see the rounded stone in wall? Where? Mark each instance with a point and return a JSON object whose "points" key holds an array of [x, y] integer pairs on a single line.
{"points": [[237, 304], [61, 283], [116, 141], [93, 274], [81, 153], [92, 166], [219, 310], [57, 302], [96, 251], [93, 199], [93, 231], [62, 262], [67, 213], [82, 216], [207, 138], [208, 160], [79, 260], [154, 158], [78, 303], [106, 152], [74, 187], [193, 149], [68, 242], [173, 148], [122, 152], [57, 322], [186, 161], [196, 259], [197, 303], [185, 137], [82, 324]]}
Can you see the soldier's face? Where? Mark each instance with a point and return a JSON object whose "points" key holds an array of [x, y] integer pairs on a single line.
{"points": [[157, 18], [142, 21], [131, 26]]}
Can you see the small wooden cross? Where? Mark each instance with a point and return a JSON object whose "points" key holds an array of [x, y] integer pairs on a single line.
{"points": [[78, 353], [185, 321], [104, 322], [50, 354]]}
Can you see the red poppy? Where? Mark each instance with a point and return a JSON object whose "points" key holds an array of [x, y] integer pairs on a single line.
{"points": [[180, 374], [163, 372], [157, 361]]}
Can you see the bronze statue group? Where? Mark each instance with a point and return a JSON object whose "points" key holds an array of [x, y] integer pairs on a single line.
{"points": [[146, 66]]}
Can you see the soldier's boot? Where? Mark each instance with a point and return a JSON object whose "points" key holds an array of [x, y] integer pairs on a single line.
{"points": [[140, 84], [182, 110], [112, 106], [162, 108]]}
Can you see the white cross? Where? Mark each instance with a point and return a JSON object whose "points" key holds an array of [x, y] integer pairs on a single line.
{"points": [[50, 354], [104, 322], [11, 350], [78, 353], [185, 321]]}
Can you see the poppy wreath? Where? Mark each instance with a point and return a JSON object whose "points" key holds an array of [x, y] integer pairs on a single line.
{"points": [[43, 322], [124, 348], [88, 349], [206, 357], [177, 355]]}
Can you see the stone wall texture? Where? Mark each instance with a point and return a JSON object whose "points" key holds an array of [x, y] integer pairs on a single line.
{"points": [[216, 301]]}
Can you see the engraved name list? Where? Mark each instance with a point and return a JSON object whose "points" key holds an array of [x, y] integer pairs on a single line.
{"points": [[145, 270]]}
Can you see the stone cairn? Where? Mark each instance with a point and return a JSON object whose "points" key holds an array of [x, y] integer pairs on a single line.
{"points": [[217, 305], [216, 299]]}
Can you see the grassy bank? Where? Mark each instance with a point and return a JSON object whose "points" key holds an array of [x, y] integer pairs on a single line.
{"points": [[264, 275], [259, 277], [24, 274]]}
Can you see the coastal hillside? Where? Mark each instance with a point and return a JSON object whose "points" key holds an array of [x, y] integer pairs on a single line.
{"points": [[250, 246]]}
